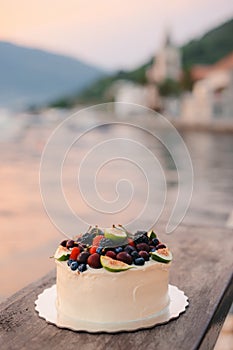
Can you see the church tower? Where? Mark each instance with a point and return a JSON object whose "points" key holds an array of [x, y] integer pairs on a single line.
{"points": [[167, 64]]}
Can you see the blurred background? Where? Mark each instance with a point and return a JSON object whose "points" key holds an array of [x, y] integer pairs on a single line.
{"points": [[57, 57]]}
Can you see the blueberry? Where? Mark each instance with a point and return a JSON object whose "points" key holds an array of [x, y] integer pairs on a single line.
{"points": [[74, 265], [99, 250], [82, 267], [155, 241], [139, 261], [153, 249], [135, 255], [69, 262], [119, 250]]}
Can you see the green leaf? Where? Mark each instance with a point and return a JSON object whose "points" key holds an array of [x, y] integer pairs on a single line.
{"points": [[64, 257]]}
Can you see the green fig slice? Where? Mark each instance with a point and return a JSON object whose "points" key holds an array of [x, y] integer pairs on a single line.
{"points": [[162, 255], [151, 234], [117, 235], [113, 265]]}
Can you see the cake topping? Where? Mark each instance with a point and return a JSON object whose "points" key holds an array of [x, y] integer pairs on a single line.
{"points": [[162, 255], [96, 240], [145, 255], [116, 235], [82, 258], [94, 261], [74, 265], [75, 253], [151, 234], [70, 243], [62, 253], [125, 257], [114, 246], [111, 254], [139, 261], [113, 265]]}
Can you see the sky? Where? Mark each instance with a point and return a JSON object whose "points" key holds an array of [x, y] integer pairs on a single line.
{"points": [[110, 34]]}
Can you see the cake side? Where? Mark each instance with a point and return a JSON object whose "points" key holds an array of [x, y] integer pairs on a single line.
{"points": [[105, 297]]}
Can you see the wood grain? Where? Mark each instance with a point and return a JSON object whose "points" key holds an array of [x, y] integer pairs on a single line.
{"points": [[202, 267]]}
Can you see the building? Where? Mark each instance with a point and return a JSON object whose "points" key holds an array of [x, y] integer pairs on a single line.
{"points": [[132, 94], [211, 98]]}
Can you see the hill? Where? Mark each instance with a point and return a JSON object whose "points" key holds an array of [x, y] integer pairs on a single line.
{"points": [[208, 49], [31, 76], [212, 46]]}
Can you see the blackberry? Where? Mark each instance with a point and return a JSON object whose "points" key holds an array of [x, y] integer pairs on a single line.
{"points": [[140, 237], [106, 243]]}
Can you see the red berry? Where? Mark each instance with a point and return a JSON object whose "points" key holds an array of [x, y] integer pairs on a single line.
{"points": [[74, 253], [96, 240], [92, 250], [125, 257], [143, 254], [131, 242], [82, 258], [94, 261], [111, 254], [143, 246], [70, 243], [160, 246]]}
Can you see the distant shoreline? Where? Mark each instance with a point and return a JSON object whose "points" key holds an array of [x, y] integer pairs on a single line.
{"points": [[218, 127]]}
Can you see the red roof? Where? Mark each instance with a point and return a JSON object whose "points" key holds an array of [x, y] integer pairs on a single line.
{"points": [[199, 72]]}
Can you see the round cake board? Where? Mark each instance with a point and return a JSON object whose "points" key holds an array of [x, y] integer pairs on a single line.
{"points": [[46, 307]]}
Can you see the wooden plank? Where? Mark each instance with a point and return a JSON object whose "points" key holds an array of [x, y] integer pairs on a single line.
{"points": [[202, 267]]}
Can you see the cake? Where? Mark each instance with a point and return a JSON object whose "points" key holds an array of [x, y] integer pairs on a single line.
{"points": [[112, 276]]}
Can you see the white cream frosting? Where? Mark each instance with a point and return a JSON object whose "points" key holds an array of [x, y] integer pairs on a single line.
{"points": [[100, 296]]}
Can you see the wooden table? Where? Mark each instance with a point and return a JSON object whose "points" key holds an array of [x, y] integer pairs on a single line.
{"points": [[202, 267]]}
